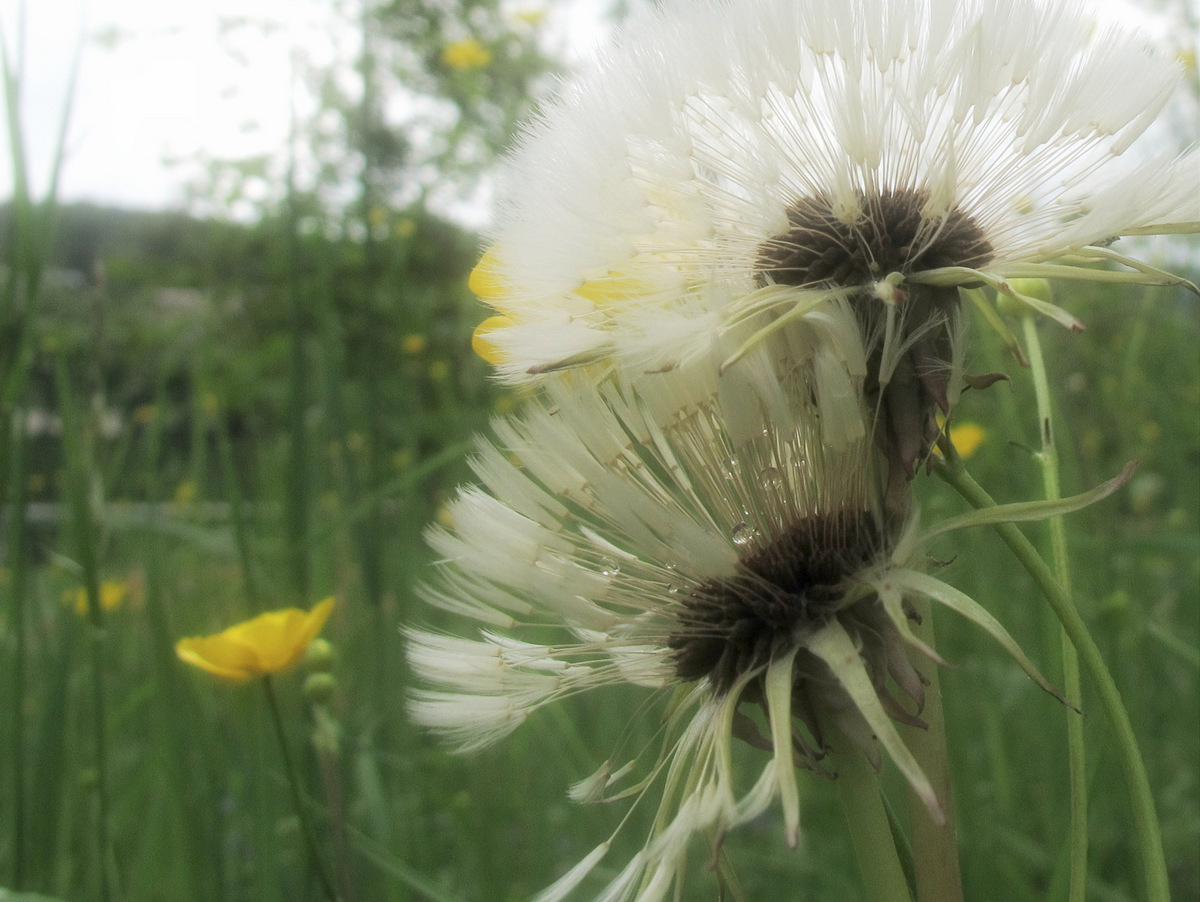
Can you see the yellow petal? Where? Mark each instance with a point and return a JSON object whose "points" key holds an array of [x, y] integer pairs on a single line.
{"points": [[482, 345], [221, 656], [263, 645], [486, 281], [967, 438]]}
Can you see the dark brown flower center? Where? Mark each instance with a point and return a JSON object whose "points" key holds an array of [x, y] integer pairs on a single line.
{"points": [[793, 585], [891, 234]]}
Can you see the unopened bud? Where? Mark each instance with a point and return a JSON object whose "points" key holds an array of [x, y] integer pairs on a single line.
{"points": [[321, 656], [319, 688]]}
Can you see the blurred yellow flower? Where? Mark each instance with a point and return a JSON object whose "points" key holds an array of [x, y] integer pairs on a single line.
{"points": [[405, 228], [258, 647], [466, 54], [531, 17], [439, 370], [185, 493], [112, 595], [413, 343], [967, 438], [144, 413]]}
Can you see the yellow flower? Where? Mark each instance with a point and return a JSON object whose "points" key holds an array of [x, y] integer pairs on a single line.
{"points": [[466, 54], [967, 438], [112, 594], [257, 647], [414, 343]]}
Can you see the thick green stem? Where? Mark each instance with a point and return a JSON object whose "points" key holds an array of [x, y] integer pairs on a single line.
{"points": [[1072, 689], [293, 780], [1144, 818], [867, 820], [935, 847]]}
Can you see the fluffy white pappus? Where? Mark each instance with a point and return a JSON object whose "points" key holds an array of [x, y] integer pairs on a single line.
{"points": [[671, 531], [642, 205], [601, 562]]}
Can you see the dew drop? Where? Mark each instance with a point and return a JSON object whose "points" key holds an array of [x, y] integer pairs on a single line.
{"points": [[743, 534], [609, 567], [770, 479]]}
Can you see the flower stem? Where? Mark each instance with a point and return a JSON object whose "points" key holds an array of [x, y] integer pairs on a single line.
{"points": [[935, 847], [874, 846], [297, 797], [1144, 818], [1073, 691]]}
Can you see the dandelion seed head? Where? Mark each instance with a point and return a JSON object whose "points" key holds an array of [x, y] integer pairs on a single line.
{"points": [[720, 145], [781, 593]]}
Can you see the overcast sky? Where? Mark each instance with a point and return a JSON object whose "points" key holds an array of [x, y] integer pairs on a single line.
{"points": [[166, 88]]}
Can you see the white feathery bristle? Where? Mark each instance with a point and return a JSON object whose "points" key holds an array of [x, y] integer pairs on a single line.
{"points": [[669, 164]]}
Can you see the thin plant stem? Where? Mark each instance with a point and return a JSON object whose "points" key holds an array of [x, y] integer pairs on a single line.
{"points": [[1145, 820], [297, 796], [934, 846], [866, 818], [16, 558], [297, 497], [237, 503], [1072, 688], [83, 496]]}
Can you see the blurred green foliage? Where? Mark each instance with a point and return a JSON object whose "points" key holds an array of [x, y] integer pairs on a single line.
{"points": [[270, 411]]}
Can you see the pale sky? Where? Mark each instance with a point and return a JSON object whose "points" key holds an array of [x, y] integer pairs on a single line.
{"points": [[168, 89]]}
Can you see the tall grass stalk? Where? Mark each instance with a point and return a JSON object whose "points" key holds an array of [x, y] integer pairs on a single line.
{"points": [[83, 499], [32, 229], [293, 780], [237, 513], [17, 557], [1145, 820], [187, 754], [1072, 688], [297, 497]]}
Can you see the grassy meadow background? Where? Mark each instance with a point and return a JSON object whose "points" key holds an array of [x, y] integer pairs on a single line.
{"points": [[203, 419]]}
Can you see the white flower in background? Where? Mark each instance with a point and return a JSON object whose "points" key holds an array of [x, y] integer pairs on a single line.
{"points": [[675, 532], [738, 163]]}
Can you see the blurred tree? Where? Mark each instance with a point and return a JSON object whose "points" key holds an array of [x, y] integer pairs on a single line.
{"points": [[411, 99]]}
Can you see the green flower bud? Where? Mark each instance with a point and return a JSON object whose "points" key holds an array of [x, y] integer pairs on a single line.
{"points": [[321, 656], [319, 688]]}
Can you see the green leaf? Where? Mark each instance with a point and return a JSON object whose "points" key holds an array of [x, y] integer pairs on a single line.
{"points": [[1020, 512]]}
